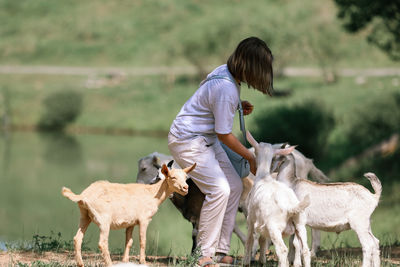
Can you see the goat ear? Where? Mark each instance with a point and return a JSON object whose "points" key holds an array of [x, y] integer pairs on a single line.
{"points": [[164, 170], [156, 162], [251, 139], [284, 145], [189, 169], [169, 165], [285, 151]]}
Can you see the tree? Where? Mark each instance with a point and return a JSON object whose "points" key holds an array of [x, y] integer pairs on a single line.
{"points": [[381, 18]]}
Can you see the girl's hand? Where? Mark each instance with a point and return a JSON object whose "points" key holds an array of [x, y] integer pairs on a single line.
{"points": [[247, 107]]}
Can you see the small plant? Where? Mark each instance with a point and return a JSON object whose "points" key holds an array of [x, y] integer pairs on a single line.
{"points": [[192, 259], [19, 245], [41, 264], [53, 242], [43, 243]]}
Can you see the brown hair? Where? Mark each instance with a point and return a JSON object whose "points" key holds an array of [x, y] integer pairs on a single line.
{"points": [[251, 62]]}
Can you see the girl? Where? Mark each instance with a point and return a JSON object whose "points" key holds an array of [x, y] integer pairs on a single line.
{"points": [[204, 121]]}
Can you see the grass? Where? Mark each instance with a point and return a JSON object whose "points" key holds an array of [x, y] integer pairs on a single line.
{"points": [[150, 33], [333, 257]]}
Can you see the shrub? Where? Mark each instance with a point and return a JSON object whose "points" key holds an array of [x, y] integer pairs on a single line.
{"points": [[368, 126], [61, 108], [387, 168], [374, 122], [306, 124]]}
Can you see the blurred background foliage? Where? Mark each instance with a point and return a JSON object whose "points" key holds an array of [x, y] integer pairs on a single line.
{"points": [[380, 19], [307, 124]]}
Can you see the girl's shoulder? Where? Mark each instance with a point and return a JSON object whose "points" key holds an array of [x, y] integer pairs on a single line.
{"points": [[224, 91]]}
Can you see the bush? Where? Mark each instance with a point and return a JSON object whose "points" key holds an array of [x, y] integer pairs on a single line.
{"points": [[387, 168], [306, 124], [376, 121], [368, 126], [61, 108]]}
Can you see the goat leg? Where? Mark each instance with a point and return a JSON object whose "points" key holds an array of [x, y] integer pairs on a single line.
{"points": [[128, 243], [103, 244], [142, 237], [83, 225], [194, 236]]}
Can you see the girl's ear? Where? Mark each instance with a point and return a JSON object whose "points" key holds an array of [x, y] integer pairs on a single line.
{"points": [[251, 140]]}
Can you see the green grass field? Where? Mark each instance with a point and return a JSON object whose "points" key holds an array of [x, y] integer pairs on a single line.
{"points": [[151, 33]]}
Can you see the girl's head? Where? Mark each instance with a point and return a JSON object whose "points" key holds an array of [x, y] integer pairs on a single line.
{"points": [[251, 62]]}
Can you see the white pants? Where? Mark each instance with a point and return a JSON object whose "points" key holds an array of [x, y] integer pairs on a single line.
{"points": [[218, 180]]}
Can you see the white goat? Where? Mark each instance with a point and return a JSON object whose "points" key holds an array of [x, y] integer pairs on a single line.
{"points": [[118, 206], [273, 210], [336, 207], [304, 168]]}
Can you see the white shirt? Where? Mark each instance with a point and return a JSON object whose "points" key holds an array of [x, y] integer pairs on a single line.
{"points": [[211, 109]]}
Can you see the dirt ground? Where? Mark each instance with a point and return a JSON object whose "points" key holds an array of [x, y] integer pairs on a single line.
{"points": [[16, 258]]}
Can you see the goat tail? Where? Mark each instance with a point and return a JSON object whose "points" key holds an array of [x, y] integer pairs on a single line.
{"points": [[304, 203], [317, 174], [66, 192], [376, 184]]}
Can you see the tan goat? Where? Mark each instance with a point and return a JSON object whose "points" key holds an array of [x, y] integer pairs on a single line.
{"points": [[118, 206]]}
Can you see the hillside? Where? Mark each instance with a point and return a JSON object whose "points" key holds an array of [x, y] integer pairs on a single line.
{"points": [[176, 32]]}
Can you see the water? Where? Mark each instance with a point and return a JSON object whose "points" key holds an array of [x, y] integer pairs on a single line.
{"points": [[34, 167]]}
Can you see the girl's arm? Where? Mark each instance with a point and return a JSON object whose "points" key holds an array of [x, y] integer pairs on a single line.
{"points": [[233, 143]]}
